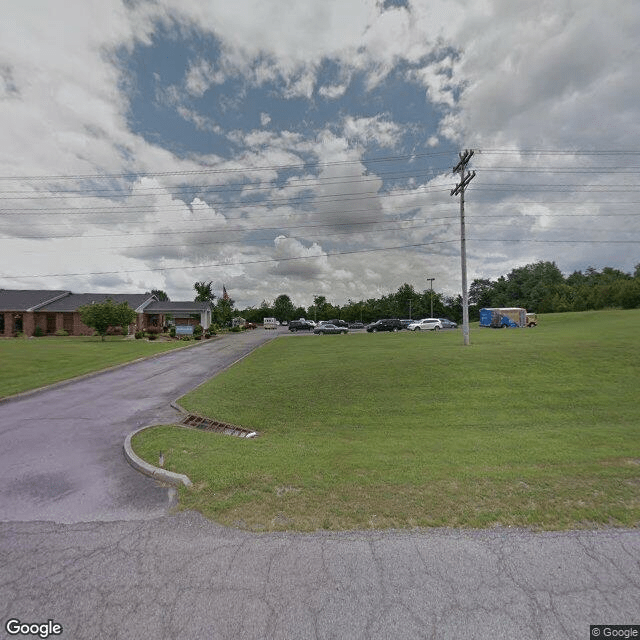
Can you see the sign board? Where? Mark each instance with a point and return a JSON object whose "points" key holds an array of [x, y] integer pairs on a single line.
{"points": [[184, 330]]}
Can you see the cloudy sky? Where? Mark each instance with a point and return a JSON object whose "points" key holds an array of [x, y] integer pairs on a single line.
{"points": [[307, 147]]}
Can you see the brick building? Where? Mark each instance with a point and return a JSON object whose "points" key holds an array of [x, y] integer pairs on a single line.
{"points": [[23, 310]]}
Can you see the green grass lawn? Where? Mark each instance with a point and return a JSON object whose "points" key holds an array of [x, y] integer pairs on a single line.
{"points": [[525, 427], [29, 363]]}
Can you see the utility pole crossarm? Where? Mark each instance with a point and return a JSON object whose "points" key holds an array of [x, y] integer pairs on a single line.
{"points": [[463, 184]]}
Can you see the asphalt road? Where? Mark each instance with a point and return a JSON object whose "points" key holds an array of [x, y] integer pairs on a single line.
{"points": [[92, 545]]}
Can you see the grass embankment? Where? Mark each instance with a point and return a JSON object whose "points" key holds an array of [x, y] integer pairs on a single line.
{"points": [[29, 363], [533, 427]]}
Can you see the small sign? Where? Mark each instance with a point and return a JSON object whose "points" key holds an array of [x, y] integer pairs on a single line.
{"points": [[184, 330]]}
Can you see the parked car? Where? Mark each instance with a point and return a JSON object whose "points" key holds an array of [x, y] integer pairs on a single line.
{"points": [[300, 325], [327, 327], [336, 322], [356, 325], [407, 322], [426, 324], [447, 324], [386, 324]]}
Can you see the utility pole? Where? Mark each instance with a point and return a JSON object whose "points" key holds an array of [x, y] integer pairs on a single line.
{"points": [[465, 178], [431, 280]]}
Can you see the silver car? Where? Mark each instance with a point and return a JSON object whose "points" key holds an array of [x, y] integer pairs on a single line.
{"points": [[329, 328], [426, 324]]}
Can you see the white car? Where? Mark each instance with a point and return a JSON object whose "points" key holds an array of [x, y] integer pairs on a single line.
{"points": [[426, 324]]}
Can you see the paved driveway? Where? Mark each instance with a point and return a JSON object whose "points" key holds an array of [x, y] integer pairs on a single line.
{"points": [[87, 542], [61, 455]]}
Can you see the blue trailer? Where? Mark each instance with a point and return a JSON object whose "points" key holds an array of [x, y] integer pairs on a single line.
{"points": [[501, 317]]}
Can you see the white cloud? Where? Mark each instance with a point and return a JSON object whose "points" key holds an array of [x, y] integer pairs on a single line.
{"points": [[200, 76], [437, 78], [543, 72], [364, 131], [333, 91]]}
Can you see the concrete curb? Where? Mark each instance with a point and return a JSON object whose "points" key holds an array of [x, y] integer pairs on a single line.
{"points": [[148, 469]]}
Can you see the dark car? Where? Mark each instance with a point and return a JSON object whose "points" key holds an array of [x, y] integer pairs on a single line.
{"points": [[448, 324], [336, 322], [386, 324], [300, 325], [327, 327], [356, 325]]}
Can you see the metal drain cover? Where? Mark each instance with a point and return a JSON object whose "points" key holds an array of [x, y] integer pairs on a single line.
{"points": [[207, 424]]}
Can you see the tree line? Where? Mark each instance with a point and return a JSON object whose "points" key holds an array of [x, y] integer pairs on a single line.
{"points": [[539, 287]]}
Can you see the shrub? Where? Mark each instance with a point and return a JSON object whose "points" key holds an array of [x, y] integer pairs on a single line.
{"points": [[154, 331], [38, 332], [152, 336], [197, 331], [139, 335], [185, 338], [62, 332], [115, 331], [101, 316], [172, 332]]}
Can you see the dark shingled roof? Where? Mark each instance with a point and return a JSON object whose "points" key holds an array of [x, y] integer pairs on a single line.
{"points": [[75, 300], [177, 307], [28, 299]]}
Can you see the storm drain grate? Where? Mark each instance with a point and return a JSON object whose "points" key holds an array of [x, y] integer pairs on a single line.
{"points": [[198, 422]]}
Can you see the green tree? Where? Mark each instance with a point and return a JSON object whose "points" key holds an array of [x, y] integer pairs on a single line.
{"points": [[318, 307], [628, 294], [407, 302], [480, 293], [102, 315], [204, 293], [283, 308], [223, 311], [160, 294]]}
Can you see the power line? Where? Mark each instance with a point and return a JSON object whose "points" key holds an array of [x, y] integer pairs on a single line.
{"points": [[269, 239], [230, 170], [230, 264], [233, 187], [572, 241], [202, 231], [303, 164]]}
